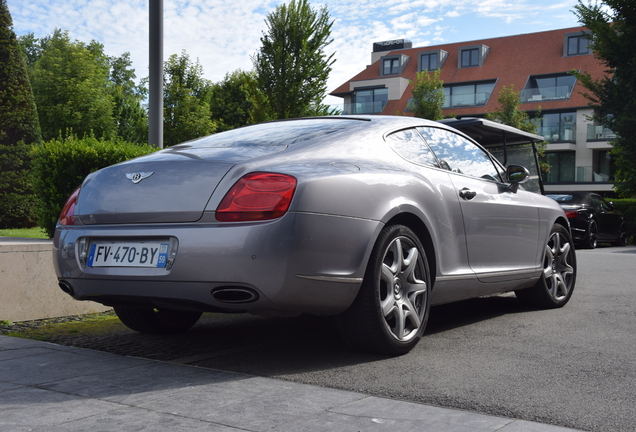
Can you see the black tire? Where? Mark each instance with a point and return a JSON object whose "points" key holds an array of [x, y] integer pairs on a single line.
{"points": [[554, 288], [623, 236], [591, 239], [390, 313], [156, 321]]}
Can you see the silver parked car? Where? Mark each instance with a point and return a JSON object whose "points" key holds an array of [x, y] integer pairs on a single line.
{"points": [[370, 219]]}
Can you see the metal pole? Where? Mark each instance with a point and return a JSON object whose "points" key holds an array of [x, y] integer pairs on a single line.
{"points": [[155, 96]]}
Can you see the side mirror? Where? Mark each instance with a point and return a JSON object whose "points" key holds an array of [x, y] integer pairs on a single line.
{"points": [[515, 175]]}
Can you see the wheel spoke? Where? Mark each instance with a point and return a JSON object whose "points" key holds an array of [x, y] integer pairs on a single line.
{"points": [[410, 261], [398, 256], [411, 313], [400, 323], [388, 306]]}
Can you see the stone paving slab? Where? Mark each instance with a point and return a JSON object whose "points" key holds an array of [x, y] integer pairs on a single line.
{"points": [[48, 387]]}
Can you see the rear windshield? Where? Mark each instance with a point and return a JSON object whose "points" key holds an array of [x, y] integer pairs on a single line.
{"points": [[561, 198], [275, 133]]}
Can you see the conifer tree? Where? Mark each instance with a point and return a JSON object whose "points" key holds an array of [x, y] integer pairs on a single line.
{"points": [[19, 130]]}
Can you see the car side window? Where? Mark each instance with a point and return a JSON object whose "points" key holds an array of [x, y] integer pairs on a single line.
{"points": [[456, 153], [410, 145]]}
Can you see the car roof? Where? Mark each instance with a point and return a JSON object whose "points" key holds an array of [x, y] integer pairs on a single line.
{"points": [[488, 132]]}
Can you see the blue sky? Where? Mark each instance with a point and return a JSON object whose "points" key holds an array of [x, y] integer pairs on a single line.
{"points": [[223, 34]]}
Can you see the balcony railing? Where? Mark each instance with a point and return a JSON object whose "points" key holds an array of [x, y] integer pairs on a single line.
{"points": [[466, 100], [364, 108], [555, 133], [545, 93], [596, 132]]}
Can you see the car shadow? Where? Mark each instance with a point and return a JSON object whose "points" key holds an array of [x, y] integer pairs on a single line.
{"points": [[275, 347]]}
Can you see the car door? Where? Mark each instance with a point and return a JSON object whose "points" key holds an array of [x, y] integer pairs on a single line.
{"points": [[501, 226]]}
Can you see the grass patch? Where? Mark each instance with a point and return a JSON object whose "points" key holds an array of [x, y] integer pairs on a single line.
{"points": [[36, 232], [46, 330]]}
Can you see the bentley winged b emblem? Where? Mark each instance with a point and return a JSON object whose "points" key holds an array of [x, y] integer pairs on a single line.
{"points": [[137, 177]]}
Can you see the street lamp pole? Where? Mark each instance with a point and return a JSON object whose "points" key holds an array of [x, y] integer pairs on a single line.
{"points": [[155, 96]]}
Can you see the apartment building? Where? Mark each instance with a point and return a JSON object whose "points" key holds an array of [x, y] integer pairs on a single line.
{"points": [[474, 73]]}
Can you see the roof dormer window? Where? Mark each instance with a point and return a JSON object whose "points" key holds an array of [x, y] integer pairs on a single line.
{"points": [[393, 65], [575, 44], [432, 60], [472, 56]]}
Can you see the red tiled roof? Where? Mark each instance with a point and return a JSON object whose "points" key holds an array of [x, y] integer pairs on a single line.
{"points": [[510, 61]]}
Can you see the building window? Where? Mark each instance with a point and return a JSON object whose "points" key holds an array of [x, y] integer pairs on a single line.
{"points": [[429, 62], [558, 126], [578, 45], [391, 66], [369, 101], [561, 167], [469, 94], [470, 57], [548, 87], [604, 167], [432, 60], [575, 44]]}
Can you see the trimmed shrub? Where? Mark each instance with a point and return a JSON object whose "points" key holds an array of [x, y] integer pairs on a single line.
{"points": [[627, 206], [60, 166]]}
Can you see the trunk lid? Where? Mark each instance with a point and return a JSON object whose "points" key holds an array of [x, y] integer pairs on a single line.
{"points": [[173, 185]]}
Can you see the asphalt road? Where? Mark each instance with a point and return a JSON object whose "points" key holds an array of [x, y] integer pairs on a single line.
{"points": [[573, 367]]}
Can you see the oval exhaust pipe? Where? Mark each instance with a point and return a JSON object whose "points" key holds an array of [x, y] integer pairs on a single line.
{"points": [[234, 295], [67, 288]]}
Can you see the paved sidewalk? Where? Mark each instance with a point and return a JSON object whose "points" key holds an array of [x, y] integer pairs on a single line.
{"points": [[48, 387]]}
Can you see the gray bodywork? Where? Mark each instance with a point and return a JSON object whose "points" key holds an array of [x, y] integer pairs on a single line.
{"points": [[351, 184]]}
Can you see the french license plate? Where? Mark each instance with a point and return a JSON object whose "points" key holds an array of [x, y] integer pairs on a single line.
{"points": [[128, 254]]}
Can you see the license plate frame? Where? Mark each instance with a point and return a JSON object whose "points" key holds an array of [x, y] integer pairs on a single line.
{"points": [[128, 253]]}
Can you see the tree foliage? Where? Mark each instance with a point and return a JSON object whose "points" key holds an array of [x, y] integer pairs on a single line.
{"points": [[71, 87], [508, 112], [129, 113], [613, 32], [19, 129], [235, 101], [185, 100], [428, 95], [292, 67]]}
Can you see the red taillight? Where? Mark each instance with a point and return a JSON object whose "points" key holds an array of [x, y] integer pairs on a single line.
{"points": [[68, 212], [571, 213], [257, 196]]}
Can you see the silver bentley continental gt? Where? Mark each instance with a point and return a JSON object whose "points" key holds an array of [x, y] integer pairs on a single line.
{"points": [[370, 219]]}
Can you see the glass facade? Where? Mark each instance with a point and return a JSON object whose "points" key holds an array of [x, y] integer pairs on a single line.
{"points": [[369, 101], [561, 167], [604, 171], [541, 88], [467, 94], [558, 126]]}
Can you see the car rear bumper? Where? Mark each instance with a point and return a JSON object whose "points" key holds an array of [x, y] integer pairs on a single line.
{"points": [[299, 263]]}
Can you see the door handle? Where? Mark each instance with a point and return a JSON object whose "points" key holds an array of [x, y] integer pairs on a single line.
{"points": [[467, 194]]}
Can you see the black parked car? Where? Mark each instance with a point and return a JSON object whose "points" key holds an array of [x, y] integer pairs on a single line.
{"points": [[592, 219]]}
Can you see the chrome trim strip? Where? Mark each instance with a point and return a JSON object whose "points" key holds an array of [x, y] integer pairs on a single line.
{"points": [[457, 277], [530, 272], [338, 279]]}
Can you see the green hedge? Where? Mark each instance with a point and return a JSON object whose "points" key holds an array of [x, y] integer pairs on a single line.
{"points": [[60, 166], [627, 206]]}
